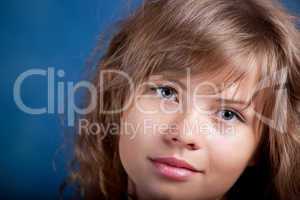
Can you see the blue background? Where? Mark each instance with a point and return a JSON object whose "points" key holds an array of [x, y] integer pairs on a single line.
{"points": [[41, 34]]}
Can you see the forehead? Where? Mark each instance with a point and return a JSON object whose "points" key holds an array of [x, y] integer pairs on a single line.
{"points": [[240, 88]]}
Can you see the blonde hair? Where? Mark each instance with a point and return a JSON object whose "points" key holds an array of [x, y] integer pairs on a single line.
{"points": [[209, 36]]}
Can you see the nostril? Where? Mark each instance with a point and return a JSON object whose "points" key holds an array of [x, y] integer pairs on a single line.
{"points": [[176, 140], [192, 146]]}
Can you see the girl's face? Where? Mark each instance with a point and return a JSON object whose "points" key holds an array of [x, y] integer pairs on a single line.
{"points": [[181, 141]]}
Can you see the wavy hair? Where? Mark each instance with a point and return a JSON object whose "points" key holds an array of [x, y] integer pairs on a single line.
{"points": [[223, 38]]}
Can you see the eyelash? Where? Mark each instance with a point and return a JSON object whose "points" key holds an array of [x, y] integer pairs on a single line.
{"points": [[174, 92], [234, 112]]}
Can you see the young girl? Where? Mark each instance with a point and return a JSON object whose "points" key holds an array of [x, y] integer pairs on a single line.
{"points": [[196, 99]]}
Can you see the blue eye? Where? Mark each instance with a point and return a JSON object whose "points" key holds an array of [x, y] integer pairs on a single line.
{"points": [[166, 92], [230, 115]]}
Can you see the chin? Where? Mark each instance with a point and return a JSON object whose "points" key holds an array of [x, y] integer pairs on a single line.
{"points": [[157, 191], [163, 191]]}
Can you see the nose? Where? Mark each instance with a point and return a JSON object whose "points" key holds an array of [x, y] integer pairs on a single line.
{"points": [[184, 133]]}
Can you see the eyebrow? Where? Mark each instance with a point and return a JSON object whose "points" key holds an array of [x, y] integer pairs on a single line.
{"points": [[234, 102], [170, 79], [164, 77], [182, 85]]}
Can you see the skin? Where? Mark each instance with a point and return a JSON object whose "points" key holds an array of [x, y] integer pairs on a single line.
{"points": [[222, 154]]}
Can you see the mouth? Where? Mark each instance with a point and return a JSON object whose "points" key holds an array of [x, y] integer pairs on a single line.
{"points": [[173, 168]]}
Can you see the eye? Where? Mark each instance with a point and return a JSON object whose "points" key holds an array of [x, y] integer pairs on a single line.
{"points": [[230, 115], [166, 92]]}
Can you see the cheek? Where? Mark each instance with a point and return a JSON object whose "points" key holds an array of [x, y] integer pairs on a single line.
{"points": [[136, 137], [144, 121], [230, 154], [130, 150]]}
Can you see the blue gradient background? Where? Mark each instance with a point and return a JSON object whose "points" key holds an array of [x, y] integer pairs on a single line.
{"points": [[42, 34]]}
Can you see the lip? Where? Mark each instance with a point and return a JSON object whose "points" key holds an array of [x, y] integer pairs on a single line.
{"points": [[173, 168]]}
